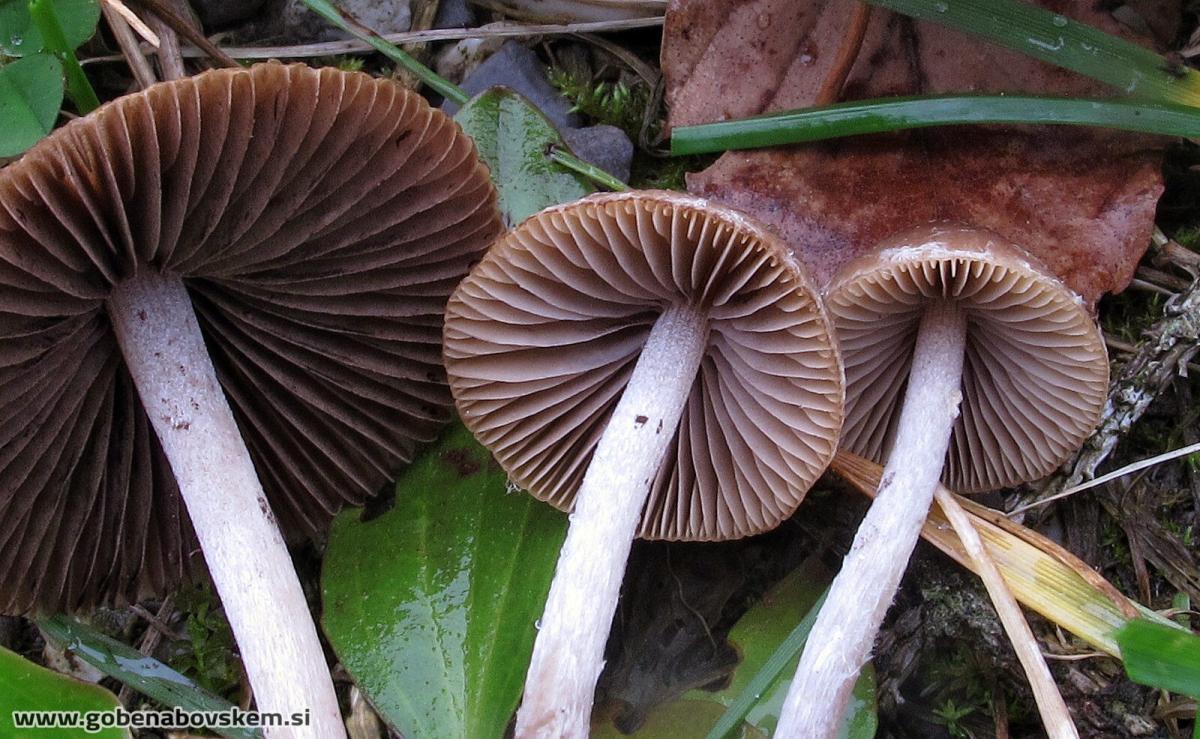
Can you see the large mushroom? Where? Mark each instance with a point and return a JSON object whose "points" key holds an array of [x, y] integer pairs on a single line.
{"points": [[227, 279], [657, 365], [932, 319]]}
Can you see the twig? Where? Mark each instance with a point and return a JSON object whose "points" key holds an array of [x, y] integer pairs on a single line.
{"points": [[1169, 345], [1166, 250], [354, 46], [1138, 283], [1119, 345], [1162, 279], [142, 72], [182, 27], [1055, 716], [831, 88], [131, 18], [630, 6]]}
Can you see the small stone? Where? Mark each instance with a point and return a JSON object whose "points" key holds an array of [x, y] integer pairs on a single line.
{"points": [[519, 68], [300, 24], [454, 14], [607, 147]]}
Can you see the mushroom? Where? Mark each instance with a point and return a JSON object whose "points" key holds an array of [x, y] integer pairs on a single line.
{"points": [[266, 251], [939, 316], [656, 364]]}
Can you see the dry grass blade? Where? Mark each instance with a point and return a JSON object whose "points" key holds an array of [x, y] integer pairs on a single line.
{"points": [[1053, 709], [354, 46], [119, 24], [136, 23], [1128, 469], [181, 26], [1042, 575]]}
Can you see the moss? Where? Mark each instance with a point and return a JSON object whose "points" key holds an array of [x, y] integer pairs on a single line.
{"points": [[614, 103]]}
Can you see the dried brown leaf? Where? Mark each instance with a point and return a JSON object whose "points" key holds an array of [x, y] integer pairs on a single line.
{"points": [[1081, 201]]}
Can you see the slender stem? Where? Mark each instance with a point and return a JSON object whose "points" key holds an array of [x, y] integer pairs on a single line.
{"points": [[859, 597], [1053, 709], [569, 652], [847, 55], [55, 40], [160, 338], [585, 169], [368, 35]]}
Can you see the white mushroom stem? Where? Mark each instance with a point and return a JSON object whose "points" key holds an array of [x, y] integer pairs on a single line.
{"points": [[160, 338], [841, 639], [568, 654]]}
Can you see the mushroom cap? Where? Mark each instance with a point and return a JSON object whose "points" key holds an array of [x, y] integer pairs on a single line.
{"points": [[319, 220], [1035, 372], [542, 336]]}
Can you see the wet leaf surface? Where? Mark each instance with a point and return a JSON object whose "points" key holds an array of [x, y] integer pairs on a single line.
{"points": [[19, 35], [144, 674], [432, 605], [31, 92], [25, 686], [1081, 201], [513, 138]]}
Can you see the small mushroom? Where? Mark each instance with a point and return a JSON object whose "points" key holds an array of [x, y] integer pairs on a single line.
{"points": [[661, 367], [931, 319], [233, 277]]}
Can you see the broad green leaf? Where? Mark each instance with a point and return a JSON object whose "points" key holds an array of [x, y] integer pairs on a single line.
{"points": [[25, 686], [514, 138], [1161, 656], [769, 640], [431, 606], [19, 35], [144, 674], [31, 92]]}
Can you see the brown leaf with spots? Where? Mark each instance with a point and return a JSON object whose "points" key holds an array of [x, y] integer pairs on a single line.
{"points": [[1081, 200]]}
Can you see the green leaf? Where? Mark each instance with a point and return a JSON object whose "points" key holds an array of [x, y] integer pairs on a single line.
{"points": [[769, 641], [20, 36], [1161, 656], [514, 138], [431, 606], [144, 674], [45, 17], [25, 686], [31, 92], [892, 114], [1058, 40]]}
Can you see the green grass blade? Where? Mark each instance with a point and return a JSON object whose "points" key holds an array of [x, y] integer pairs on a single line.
{"points": [[144, 674], [891, 114], [783, 658], [1161, 656], [1058, 40], [590, 171], [329, 12], [55, 40]]}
